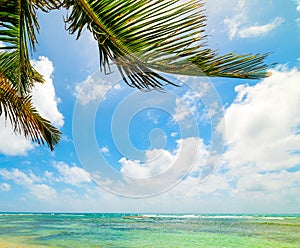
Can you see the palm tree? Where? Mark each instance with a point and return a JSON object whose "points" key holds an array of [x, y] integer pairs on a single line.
{"points": [[141, 37]]}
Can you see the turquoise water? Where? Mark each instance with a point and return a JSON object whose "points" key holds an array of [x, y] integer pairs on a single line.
{"points": [[127, 230]]}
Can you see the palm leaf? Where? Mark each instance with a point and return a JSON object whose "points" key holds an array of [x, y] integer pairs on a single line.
{"points": [[46, 5], [24, 117], [18, 26], [144, 36]]}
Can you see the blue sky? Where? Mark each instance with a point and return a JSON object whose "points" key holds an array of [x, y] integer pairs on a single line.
{"points": [[211, 146]]}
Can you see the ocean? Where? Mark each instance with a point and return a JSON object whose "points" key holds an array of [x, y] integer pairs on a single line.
{"points": [[33, 230]]}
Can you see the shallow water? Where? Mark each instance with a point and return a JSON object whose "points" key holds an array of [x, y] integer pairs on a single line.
{"points": [[125, 230]]}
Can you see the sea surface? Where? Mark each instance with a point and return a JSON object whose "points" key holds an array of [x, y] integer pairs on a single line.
{"points": [[30, 230]]}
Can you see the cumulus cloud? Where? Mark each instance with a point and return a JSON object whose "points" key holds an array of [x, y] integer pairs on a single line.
{"points": [[91, 90], [259, 167], [262, 134], [182, 111], [43, 95], [262, 125], [45, 100], [158, 161], [263, 143], [43, 192], [189, 104], [20, 177], [73, 175], [37, 186], [10, 143], [31, 182], [95, 87]]}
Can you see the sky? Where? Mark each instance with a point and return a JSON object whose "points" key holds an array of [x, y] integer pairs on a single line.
{"points": [[212, 145]]}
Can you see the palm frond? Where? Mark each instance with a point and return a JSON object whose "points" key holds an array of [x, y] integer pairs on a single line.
{"points": [[144, 36], [46, 5], [18, 26], [24, 117]]}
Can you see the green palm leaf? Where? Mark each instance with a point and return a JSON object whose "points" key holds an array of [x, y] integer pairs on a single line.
{"points": [[24, 117], [46, 5], [18, 24], [18, 27], [144, 36]]}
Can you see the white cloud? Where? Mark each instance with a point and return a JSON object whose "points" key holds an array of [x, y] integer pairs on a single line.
{"points": [[4, 187], [153, 117], [182, 111], [237, 26], [268, 183], [74, 175], [238, 21], [20, 177], [233, 24], [95, 87], [262, 123], [91, 90], [10, 143], [31, 182], [255, 31], [190, 103], [297, 2], [263, 142], [158, 161], [43, 192], [273, 191], [44, 100], [216, 8], [43, 95], [174, 134], [104, 149]]}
